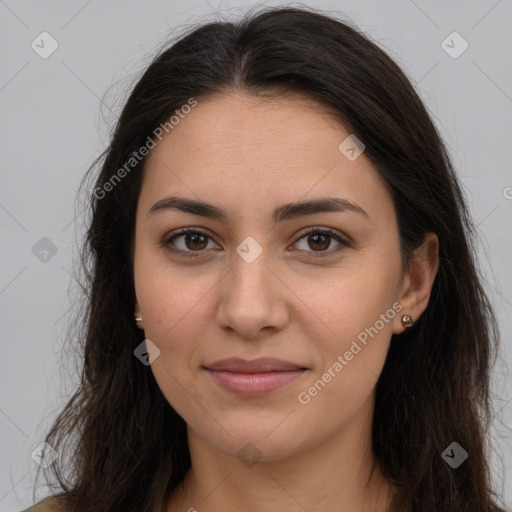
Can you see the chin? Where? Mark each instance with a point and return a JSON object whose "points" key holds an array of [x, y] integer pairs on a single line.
{"points": [[255, 444]]}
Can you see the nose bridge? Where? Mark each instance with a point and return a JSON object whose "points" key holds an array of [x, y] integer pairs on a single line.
{"points": [[251, 296], [251, 278]]}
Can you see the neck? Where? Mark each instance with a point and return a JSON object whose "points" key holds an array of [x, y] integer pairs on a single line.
{"points": [[338, 474]]}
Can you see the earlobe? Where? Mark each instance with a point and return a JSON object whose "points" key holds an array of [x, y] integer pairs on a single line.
{"points": [[138, 321], [417, 286], [137, 317]]}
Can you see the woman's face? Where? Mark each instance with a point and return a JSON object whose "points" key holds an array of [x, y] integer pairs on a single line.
{"points": [[256, 285]]}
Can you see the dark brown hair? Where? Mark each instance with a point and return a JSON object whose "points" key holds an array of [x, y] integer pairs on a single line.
{"points": [[122, 446]]}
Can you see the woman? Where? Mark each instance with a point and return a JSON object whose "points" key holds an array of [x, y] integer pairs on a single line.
{"points": [[284, 308]]}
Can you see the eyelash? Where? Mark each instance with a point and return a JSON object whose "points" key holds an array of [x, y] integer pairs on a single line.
{"points": [[197, 254]]}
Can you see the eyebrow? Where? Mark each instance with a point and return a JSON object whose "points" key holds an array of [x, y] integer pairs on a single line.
{"points": [[285, 212]]}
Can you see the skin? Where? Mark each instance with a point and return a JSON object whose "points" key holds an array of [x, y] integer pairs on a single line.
{"points": [[248, 156]]}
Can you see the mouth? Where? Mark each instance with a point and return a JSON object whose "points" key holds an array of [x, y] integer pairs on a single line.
{"points": [[254, 378]]}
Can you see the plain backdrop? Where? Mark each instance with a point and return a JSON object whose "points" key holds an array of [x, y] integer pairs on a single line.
{"points": [[54, 123]]}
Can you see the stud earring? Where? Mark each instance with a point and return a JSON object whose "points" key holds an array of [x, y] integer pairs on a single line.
{"points": [[407, 321], [138, 319]]}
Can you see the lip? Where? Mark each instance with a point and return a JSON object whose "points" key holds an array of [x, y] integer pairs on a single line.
{"points": [[254, 378], [262, 364]]}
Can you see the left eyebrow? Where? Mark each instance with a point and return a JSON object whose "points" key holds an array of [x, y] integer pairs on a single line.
{"points": [[327, 204], [285, 212]]}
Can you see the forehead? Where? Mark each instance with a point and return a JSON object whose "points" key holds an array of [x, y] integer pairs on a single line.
{"points": [[259, 151], [252, 120]]}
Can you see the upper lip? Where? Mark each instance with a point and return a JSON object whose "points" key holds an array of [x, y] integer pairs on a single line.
{"points": [[263, 364]]}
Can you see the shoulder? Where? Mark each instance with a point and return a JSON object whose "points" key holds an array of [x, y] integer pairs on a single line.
{"points": [[47, 505]]}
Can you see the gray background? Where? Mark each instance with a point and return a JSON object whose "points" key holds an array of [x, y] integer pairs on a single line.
{"points": [[53, 125]]}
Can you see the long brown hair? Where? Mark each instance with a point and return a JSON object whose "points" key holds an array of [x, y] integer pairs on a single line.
{"points": [[122, 446]]}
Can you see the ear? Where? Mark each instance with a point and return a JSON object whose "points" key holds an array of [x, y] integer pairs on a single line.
{"points": [[418, 280]]}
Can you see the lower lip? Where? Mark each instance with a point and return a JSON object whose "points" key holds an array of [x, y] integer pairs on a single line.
{"points": [[254, 384]]}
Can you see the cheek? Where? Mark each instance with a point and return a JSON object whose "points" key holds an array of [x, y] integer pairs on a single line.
{"points": [[356, 298], [175, 319], [357, 312], [171, 298], [173, 308], [351, 359]]}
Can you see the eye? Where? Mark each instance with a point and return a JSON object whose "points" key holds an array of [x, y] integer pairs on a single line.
{"points": [[319, 240], [190, 241], [193, 242]]}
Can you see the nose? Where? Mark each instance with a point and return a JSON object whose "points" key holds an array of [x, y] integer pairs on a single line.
{"points": [[253, 299]]}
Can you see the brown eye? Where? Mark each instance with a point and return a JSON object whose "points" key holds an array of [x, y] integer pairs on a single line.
{"points": [[195, 241], [319, 241], [189, 241]]}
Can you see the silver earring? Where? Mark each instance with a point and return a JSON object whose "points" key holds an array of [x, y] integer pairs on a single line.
{"points": [[138, 319]]}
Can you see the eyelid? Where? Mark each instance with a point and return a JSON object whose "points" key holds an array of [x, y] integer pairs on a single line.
{"points": [[321, 229]]}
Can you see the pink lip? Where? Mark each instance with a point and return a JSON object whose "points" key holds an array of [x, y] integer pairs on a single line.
{"points": [[254, 378], [254, 384]]}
